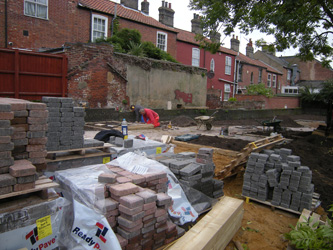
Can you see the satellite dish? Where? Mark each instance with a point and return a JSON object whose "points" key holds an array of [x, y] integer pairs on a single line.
{"points": [[210, 74]]}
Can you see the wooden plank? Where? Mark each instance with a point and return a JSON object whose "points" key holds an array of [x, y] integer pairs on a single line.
{"points": [[74, 157], [40, 185], [106, 145], [216, 229]]}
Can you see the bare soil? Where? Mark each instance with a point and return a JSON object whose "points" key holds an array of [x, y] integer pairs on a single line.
{"points": [[263, 228]]}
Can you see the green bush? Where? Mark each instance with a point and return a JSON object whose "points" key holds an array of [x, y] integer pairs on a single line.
{"points": [[307, 236], [259, 89], [232, 99]]}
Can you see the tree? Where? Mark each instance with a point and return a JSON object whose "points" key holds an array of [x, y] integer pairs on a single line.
{"points": [[306, 24]]}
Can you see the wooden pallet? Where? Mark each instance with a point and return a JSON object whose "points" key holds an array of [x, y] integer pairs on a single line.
{"points": [[53, 155], [315, 199], [41, 185], [242, 157]]}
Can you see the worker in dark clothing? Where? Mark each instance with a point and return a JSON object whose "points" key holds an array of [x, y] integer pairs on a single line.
{"points": [[136, 109], [150, 117]]}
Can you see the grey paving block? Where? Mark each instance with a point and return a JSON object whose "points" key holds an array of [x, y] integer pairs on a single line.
{"points": [[208, 151], [6, 131], [128, 143], [65, 99], [180, 164], [119, 141], [7, 180], [190, 169]]}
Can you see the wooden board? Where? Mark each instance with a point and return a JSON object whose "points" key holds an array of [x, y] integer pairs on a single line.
{"points": [[41, 184], [74, 157], [216, 229]]}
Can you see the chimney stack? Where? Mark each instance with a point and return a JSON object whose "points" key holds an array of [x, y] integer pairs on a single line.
{"points": [[133, 4], [215, 36], [166, 14], [234, 43], [249, 49], [196, 24], [145, 7]]}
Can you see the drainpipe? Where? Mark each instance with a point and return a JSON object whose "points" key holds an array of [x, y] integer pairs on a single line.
{"points": [[114, 17], [6, 24]]}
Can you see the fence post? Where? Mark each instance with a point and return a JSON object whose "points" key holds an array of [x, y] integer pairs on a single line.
{"points": [[17, 75], [64, 76]]}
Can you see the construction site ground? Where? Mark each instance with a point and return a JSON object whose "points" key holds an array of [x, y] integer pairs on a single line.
{"points": [[262, 227]]}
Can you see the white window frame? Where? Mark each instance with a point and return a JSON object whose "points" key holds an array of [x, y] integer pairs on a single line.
{"points": [[227, 91], [274, 81], [195, 57], [260, 76], [269, 79], [105, 31], [159, 41], [228, 62], [212, 65], [36, 4]]}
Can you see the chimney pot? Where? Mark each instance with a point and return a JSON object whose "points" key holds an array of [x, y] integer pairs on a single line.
{"points": [[169, 5]]}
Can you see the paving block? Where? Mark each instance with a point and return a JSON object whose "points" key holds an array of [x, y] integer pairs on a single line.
{"points": [[128, 143], [131, 201], [180, 164], [26, 179], [130, 211], [6, 190], [134, 217], [23, 186], [190, 169], [107, 178], [6, 162], [129, 224], [148, 197], [7, 180], [208, 151], [22, 168], [163, 199]]}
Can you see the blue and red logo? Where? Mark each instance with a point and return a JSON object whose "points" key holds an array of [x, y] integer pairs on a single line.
{"points": [[101, 231], [33, 235]]}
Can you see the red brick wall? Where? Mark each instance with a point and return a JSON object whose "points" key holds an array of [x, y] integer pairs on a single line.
{"points": [[150, 34], [2, 24], [66, 23], [273, 102], [90, 79]]}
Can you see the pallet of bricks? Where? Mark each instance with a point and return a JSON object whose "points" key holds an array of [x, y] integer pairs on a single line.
{"points": [[22, 144], [278, 178], [135, 205]]}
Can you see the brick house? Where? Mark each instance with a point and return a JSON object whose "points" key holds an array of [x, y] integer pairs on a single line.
{"points": [[252, 71], [27, 24]]}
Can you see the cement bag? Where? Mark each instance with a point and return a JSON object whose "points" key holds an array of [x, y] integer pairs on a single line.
{"points": [[40, 233], [181, 209], [91, 230]]}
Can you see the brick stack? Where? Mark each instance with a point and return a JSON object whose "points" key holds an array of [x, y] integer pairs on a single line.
{"points": [[279, 177], [6, 145], [196, 172], [66, 124], [136, 212], [25, 175]]}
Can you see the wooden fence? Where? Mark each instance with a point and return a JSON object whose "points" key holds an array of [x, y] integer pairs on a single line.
{"points": [[29, 75]]}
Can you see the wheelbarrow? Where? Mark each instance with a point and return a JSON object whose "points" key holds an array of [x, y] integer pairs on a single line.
{"points": [[205, 120], [272, 123]]}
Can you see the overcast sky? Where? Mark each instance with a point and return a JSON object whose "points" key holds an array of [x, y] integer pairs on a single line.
{"points": [[182, 20]]}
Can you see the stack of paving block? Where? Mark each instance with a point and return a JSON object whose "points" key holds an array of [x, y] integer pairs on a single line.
{"points": [[22, 176], [196, 172], [279, 177], [66, 124], [137, 213], [23, 132]]}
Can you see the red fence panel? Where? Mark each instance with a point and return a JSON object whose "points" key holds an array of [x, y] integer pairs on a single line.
{"points": [[30, 75]]}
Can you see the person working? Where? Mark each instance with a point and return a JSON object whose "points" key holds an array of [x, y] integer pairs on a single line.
{"points": [[136, 109], [151, 115]]}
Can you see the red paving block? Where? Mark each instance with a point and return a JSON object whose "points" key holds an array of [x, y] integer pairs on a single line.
{"points": [[22, 168], [6, 115], [149, 222], [137, 179], [123, 189], [131, 201], [160, 212], [133, 229], [147, 196], [35, 148], [40, 154], [135, 240], [169, 240], [130, 211], [148, 217], [149, 206], [106, 204], [127, 235], [5, 139], [158, 236], [150, 211], [122, 241], [134, 217], [129, 224], [124, 173], [38, 141], [163, 199], [163, 180], [123, 179], [24, 186], [162, 218]]}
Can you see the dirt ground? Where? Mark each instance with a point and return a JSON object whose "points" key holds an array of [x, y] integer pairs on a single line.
{"points": [[263, 228]]}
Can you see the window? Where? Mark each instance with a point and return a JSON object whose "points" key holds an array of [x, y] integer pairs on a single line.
{"points": [[240, 70], [274, 81], [195, 57], [288, 74], [162, 39], [269, 80], [228, 65], [251, 78], [36, 8], [212, 65], [227, 91], [260, 76], [99, 27]]}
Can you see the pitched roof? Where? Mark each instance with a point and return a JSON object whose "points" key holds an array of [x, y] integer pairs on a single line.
{"points": [[258, 63], [189, 37], [108, 7], [278, 60]]}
